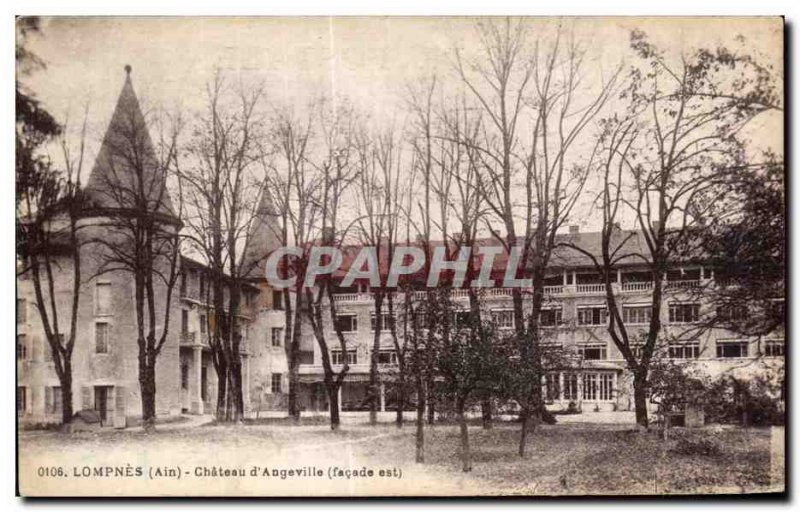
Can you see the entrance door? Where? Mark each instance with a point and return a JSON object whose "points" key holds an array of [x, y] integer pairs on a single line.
{"points": [[101, 394]]}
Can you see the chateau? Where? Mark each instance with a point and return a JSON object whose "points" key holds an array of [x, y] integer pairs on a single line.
{"points": [[105, 372]]}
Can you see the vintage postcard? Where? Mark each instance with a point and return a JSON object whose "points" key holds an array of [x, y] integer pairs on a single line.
{"points": [[400, 256]]}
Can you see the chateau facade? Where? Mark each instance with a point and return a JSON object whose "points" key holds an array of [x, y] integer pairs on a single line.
{"points": [[105, 365]]}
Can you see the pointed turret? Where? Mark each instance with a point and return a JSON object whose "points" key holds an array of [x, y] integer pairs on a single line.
{"points": [[127, 174], [264, 236]]}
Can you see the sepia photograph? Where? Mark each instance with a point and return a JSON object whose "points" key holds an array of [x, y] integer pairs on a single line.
{"points": [[387, 256]]}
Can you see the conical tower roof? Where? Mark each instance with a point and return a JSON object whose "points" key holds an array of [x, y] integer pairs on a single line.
{"points": [[264, 237], [127, 174]]}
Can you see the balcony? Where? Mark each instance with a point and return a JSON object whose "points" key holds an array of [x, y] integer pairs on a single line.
{"points": [[351, 297], [682, 285], [554, 290], [590, 289], [188, 338], [637, 286]]}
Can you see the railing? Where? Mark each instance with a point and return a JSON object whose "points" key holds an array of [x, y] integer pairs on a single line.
{"points": [[554, 290], [637, 286], [350, 297], [591, 288], [188, 338], [498, 292], [681, 285]]}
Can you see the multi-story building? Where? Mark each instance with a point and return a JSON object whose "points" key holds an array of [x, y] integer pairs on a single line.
{"points": [[574, 318], [574, 321]]}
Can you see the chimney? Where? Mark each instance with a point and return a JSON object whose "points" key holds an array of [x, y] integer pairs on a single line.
{"points": [[574, 229]]}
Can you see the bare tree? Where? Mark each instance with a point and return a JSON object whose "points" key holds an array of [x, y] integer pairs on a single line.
{"points": [[128, 190], [665, 162], [334, 176], [48, 214], [291, 187], [532, 174], [378, 201], [223, 188]]}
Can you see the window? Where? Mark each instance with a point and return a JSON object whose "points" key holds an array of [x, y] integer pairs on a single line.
{"points": [[21, 399], [306, 357], [684, 351], [52, 399], [570, 386], [774, 348], [732, 312], [277, 299], [346, 323], [593, 351], [102, 297], [606, 390], [185, 376], [276, 336], [462, 318], [504, 318], [276, 382], [551, 387], [590, 386], [22, 347], [22, 311], [733, 348], [684, 312], [387, 357], [336, 357], [203, 324], [636, 314], [592, 315], [183, 283], [550, 316], [184, 321], [101, 338], [598, 386], [386, 321], [202, 279], [636, 349]]}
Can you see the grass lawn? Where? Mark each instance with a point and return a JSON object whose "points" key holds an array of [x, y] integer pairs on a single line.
{"points": [[573, 459], [603, 459]]}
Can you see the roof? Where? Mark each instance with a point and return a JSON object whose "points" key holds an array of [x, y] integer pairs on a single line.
{"points": [[127, 162], [563, 256], [263, 237]]}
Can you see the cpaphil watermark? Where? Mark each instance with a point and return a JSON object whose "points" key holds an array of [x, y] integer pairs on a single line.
{"points": [[406, 260]]}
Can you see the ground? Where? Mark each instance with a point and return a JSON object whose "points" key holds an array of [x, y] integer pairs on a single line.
{"points": [[574, 459]]}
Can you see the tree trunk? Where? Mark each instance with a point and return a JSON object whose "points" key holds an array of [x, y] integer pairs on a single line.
{"points": [[147, 383], [222, 390], [523, 431], [333, 401], [466, 460], [294, 362], [66, 394], [374, 378], [420, 434], [486, 412], [640, 397], [430, 402], [401, 401], [237, 394]]}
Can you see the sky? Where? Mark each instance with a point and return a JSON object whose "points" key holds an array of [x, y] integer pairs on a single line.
{"points": [[371, 61]]}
